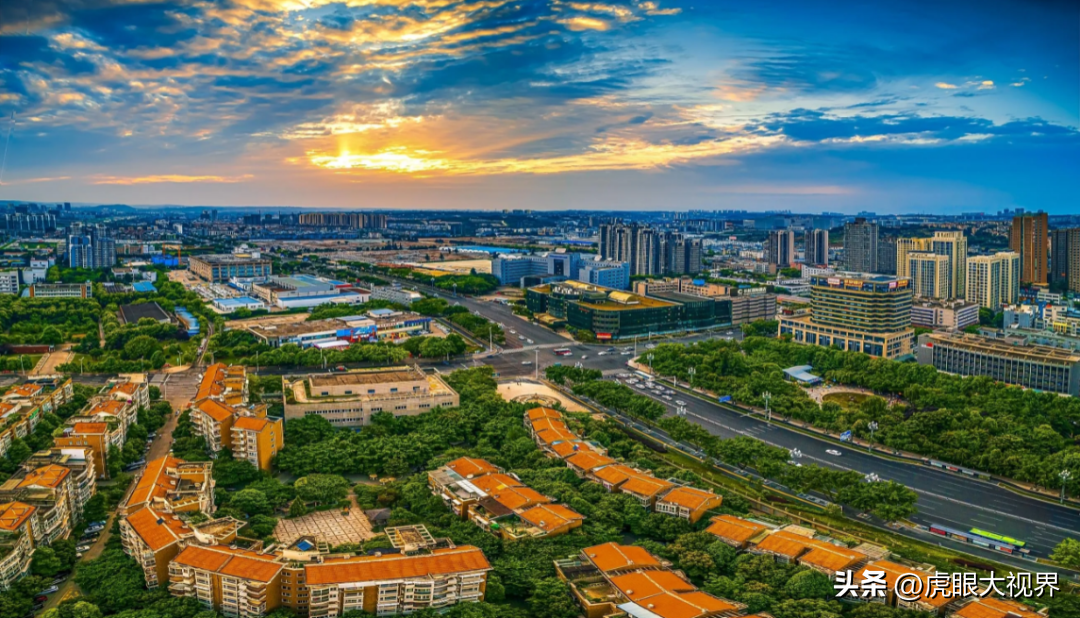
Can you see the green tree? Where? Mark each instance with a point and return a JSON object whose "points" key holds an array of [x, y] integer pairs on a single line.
{"points": [[321, 488], [251, 502], [52, 335], [297, 508], [809, 584], [261, 526], [551, 599], [806, 608], [45, 562], [1067, 553], [143, 346]]}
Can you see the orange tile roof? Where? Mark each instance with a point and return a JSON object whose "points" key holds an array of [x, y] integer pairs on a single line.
{"points": [[51, 475], [645, 485], [127, 388], [549, 436], [6, 408], [109, 406], [548, 517], [589, 460], [211, 382], [25, 390], [570, 447], [461, 559], [496, 481], [154, 482], [615, 474], [669, 596], [734, 528], [891, 569], [90, 428], [157, 530], [231, 562], [14, 514], [832, 557], [515, 498], [537, 413], [691, 498], [785, 544], [468, 466], [612, 557], [542, 424], [215, 409], [990, 607], [253, 423]]}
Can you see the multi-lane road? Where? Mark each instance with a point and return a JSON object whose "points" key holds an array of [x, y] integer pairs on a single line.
{"points": [[944, 498]]}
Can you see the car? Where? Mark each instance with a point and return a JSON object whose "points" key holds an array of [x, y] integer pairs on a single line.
{"points": [[584, 356], [526, 362], [668, 397], [94, 528], [521, 337], [513, 332], [834, 452], [680, 402], [794, 463], [49, 590], [83, 548], [602, 354], [100, 522], [627, 352], [611, 349], [529, 341], [90, 536], [340, 368], [40, 598]]}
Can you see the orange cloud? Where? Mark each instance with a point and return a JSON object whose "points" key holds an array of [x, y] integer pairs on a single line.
{"points": [[166, 178]]}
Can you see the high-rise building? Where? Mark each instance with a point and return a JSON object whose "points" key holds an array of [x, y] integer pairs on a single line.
{"points": [[931, 275], [857, 312], [353, 220], [1028, 237], [816, 248], [780, 250], [861, 245], [104, 246], [91, 247], [649, 251], [993, 280], [952, 245], [1065, 258], [887, 255]]}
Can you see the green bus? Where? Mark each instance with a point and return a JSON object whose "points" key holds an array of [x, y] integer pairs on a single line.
{"points": [[997, 537]]}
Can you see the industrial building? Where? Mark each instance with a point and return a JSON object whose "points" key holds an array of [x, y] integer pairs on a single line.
{"points": [[302, 291], [375, 325], [217, 268]]}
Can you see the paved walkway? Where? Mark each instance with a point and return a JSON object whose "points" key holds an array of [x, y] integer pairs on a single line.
{"points": [[327, 526]]}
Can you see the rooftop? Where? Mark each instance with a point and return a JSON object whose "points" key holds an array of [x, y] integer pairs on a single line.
{"points": [[131, 314], [157, 530], [690, 497], [397, 566], [548, 517], [469, 467], [232, 562], [734, 528], [1025, 352], [228, 258], [613, 557], [367, 376]]}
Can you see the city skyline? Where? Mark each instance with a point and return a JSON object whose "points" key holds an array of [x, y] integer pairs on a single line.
{"points": [[942, 108]]}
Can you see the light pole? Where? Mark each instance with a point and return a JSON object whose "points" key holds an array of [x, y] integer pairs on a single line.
{"points": [[455, 290], [650, 357], [536, 365], [872, 427], [1065, 476], [256, 361], [21, 365], [693, 372], [768, 414]]}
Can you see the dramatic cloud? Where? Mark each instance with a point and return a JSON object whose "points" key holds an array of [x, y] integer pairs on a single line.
{"points": [[299, 101]]}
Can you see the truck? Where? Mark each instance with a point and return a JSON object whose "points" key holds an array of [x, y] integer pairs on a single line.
{"points": [[724, 399]]}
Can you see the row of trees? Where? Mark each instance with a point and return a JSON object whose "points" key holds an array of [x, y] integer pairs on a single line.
{"points": [[968, 421]]}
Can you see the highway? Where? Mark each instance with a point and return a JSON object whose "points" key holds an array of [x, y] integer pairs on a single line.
{"points": [[944, 498]]}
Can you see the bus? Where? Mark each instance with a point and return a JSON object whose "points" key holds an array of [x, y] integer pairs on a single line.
{"points": [[997, 537], [975, 539], [562, 351]]}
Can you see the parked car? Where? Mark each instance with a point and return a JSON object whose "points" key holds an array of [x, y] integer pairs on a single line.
{"points": [[40, 598], [49, 590], [83, 548], [526, 362]]}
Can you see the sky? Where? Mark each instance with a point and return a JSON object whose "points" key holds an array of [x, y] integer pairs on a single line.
{"points": [[922, 106]]}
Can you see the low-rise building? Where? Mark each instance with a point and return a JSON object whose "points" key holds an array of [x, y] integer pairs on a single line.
{"points": [[991, 607], [1037, 367], [61, 290], [300, 291], [950, 315], [688, 503], [349, 399], [395, 294], [735, 531], [222, 268], [375, 325], [257, 439]]}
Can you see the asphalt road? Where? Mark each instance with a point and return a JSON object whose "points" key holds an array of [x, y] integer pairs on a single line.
{"points": [[944, 498]]}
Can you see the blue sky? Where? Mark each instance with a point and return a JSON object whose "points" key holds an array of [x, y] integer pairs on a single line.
{"points": [[844, 106]]}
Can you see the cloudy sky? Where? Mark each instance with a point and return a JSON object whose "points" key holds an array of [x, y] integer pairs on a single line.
{"points": [[911, 106]]}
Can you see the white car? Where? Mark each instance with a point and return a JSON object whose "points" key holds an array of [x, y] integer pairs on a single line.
{"points": [[529, 341], [584, 356], [602, 354], [526, 362], [521, 337], [668, 397], [513, 332], [680, 402], [627, 352], [834, 452]]}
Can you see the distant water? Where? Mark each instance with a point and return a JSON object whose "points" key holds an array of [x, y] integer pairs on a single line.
{"points": [[483, 249]]}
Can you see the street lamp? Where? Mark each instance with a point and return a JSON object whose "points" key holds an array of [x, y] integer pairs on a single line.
{"points": [[21, 364], [650, 357], [768, 414], [1065, 476], [872, 427], [693, 372]]}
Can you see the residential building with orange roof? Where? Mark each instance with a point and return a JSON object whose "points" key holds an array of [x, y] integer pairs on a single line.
{"points": [[785, 546], [551, 519], [992, 607], [469, 467], [228, 383], [934, 600], [645, 488], [257, 440], [611, 477], [19, 529], [235, 582], [735, 531], [125, 412], [830, 558], [213, 420], [172, 485], [688, 503], [153, 538], [136, 392], [94, 435], [584, 462], [392, 583], [568, 448], [667, 595], [50, 489], [80, 462], [613, 558], [539, 413]]}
